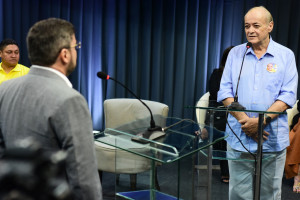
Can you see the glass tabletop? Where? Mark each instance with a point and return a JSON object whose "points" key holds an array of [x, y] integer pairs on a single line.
{"points": [[173, 141], [177, 139]]}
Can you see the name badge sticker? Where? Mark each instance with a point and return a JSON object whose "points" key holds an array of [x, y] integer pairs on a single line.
{"points": [[271, 67]]}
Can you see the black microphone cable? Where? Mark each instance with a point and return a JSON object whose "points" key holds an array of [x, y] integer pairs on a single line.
{"points": [[240, 141], [255, 159]]}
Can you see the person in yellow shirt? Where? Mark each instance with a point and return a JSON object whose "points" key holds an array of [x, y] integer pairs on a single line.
{"points": [[10, 55]]}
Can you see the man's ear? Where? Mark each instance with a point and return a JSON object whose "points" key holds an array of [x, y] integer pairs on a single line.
{"points": [[0, 54], [64, 56], [271, 26]]}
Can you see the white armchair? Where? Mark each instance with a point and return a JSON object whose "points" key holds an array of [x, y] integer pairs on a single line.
{"points": [[201, 113], [117, 113]]}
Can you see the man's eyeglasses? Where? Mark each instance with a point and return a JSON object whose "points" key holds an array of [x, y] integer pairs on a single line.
{"points": [[77, 45]]}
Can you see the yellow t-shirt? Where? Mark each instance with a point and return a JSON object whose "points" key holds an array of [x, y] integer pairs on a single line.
{"points": [[19, 70]]}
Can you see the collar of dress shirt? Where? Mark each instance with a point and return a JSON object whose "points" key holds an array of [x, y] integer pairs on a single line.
{"points": [[56, 72]]}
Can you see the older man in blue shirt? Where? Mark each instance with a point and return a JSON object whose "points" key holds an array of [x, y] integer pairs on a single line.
{"points": [[269, 82]]}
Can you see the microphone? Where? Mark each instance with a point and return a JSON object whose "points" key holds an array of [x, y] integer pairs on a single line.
{"points": [[235, 105], [153, 128]]}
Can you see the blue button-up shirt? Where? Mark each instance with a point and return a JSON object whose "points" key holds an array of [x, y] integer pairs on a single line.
{"points": [[263, 81]]}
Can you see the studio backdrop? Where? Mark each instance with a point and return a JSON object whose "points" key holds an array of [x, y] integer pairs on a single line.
{"points": [[163, 50]]}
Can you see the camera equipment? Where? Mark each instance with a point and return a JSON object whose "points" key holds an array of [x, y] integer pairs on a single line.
{"points": [[29, 173]]}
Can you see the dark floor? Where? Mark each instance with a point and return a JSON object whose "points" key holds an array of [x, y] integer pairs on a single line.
{"points": [[287, 190], [219, 191]]}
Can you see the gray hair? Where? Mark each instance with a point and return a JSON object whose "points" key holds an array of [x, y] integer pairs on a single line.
{"points": [[47, 38]]}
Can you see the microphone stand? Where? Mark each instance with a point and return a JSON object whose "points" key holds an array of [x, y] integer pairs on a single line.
{"points": [[235, 105], [153, 128]]}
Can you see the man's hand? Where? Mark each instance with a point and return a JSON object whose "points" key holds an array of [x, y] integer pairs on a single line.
{"points": [[250, 127]]}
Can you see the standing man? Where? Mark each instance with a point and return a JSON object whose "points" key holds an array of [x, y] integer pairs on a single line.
{"points": [[268, 81], [43, 106], [10, 55]]}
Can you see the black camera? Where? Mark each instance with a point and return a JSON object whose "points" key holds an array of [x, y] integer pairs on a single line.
{"points": [[28, 172]]}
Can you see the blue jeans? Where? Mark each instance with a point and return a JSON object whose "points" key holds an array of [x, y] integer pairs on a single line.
{"points": [[242, 172]]}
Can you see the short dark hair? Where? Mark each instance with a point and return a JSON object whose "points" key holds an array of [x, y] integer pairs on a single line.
{"points": [[6, 42], [47, 38]]}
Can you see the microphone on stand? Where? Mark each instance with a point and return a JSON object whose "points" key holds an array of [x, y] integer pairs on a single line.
{"points": [[235, 105], [153, 129]]}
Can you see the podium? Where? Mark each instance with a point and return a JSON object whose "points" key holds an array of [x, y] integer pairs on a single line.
{"points": [[257, 156], [170, 154]]}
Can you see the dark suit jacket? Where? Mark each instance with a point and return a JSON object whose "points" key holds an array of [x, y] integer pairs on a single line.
{"points": [[42, 106]]}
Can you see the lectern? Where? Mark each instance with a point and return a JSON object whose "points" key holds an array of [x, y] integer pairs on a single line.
{"points": [[171, 154]]}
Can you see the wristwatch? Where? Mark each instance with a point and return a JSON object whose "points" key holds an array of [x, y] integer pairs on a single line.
{"points": [[268, 119]]}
